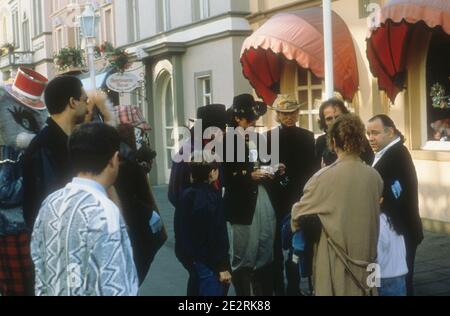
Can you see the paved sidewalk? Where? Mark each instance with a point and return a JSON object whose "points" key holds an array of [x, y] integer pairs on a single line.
{"points": [[167, 277], [432, 272]]}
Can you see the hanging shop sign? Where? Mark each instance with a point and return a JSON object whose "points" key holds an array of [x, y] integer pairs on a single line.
{"points": [[122, 82]]}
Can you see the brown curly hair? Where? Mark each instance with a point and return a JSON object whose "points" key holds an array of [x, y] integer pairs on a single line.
{"points": [[349, 134]]}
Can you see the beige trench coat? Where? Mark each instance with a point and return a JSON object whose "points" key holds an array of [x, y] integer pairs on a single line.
{"points": [[346, 197]]}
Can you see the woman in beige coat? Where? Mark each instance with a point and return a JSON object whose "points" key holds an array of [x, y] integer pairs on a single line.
{"points": [[345, 196]]}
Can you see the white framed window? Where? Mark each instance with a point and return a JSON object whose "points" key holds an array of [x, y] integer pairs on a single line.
{"points": [[203, 88], [200, 9], [309, 94], [15, 24], [56, 5], [108, 26], [162, 15], [4, 30], [77, 35], [133, 20], [58, 39], [26, 39], [437, 133], [38, 22]]}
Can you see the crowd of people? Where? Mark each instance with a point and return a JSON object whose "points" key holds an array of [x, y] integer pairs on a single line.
{"points": [[351, 196], [94, 227]]}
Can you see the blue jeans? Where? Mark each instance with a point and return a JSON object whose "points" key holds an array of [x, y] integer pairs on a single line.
{"points": [[208, 281], [393, 286]]}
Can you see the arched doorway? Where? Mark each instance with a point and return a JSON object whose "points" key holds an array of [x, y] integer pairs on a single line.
{"points": [[165, 119], [169, 125]]}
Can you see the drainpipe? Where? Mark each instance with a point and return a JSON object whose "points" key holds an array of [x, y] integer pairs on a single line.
{"points": [[328, 49]]}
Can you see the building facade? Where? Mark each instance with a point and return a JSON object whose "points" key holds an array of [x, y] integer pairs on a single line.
{"points": [[410, 111], [187, 53], [26, 28]]}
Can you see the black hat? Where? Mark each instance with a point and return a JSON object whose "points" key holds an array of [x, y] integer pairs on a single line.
{"points": [[213, 115], [245, 106]]}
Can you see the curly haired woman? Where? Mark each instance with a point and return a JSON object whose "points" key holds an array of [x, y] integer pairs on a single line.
{"points": [[345, 196]]}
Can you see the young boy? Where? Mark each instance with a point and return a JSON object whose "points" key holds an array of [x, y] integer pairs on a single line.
{"points": [[201, 239], [80, 246]]}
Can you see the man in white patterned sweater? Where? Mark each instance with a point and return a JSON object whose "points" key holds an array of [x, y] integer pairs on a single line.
{"points": [[80, 246]]}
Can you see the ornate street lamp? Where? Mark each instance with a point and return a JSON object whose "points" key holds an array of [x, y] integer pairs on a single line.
{"points": [[89, 27]]}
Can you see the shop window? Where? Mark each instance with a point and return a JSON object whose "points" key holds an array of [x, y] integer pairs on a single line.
{"points": [[438, 92], [309, 94]]}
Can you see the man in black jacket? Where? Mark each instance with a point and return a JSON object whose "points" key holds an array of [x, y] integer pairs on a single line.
{"points": [[253, 228], [400, 193], [46, 161], [297, 161]]}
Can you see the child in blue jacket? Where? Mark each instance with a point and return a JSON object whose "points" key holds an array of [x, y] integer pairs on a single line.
{"points": [[201, 238]]}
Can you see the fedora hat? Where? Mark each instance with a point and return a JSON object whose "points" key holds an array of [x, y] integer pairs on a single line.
{"points": [[213, 115], [285, 103], [245, 105], [28, 87]]}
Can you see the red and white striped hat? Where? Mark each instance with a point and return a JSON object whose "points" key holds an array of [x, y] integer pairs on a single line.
{"points": [[28, 88]]}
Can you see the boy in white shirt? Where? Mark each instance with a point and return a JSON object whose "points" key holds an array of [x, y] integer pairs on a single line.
{"points": [[391, 257]]}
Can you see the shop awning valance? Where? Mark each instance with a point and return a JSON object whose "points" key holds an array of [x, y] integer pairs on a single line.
{"points": [[298, 36], [388, 44]]}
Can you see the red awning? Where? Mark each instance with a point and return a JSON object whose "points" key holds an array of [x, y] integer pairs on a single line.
{"points": [[388, 45], [298, 36]]}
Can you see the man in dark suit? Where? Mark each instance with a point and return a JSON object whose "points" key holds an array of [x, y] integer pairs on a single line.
{"points": [[400, 193], [297, 161]]}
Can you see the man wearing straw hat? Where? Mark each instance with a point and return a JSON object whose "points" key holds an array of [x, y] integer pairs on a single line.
{"points": [[297, 165]]}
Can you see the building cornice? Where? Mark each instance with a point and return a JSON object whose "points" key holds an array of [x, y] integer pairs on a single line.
{"points": [[176, 48], [41, 35], [217, 36], [265, 14], [231, 14]]}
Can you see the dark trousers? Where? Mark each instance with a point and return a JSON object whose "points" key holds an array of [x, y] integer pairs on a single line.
{"points": [[208, 281], [292, 276], [411, 248], [260, 281], [242, 279], [192, 286], [278, 265]]}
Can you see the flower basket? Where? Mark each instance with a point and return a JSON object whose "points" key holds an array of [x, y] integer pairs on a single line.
{"points": [[69, 58], [6, 48], [102, 50], [119, 59]]}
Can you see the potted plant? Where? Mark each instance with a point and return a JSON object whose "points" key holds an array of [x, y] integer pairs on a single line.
{"points": [[105, 48], [69, 58], [120, 59], [7, 48]]}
